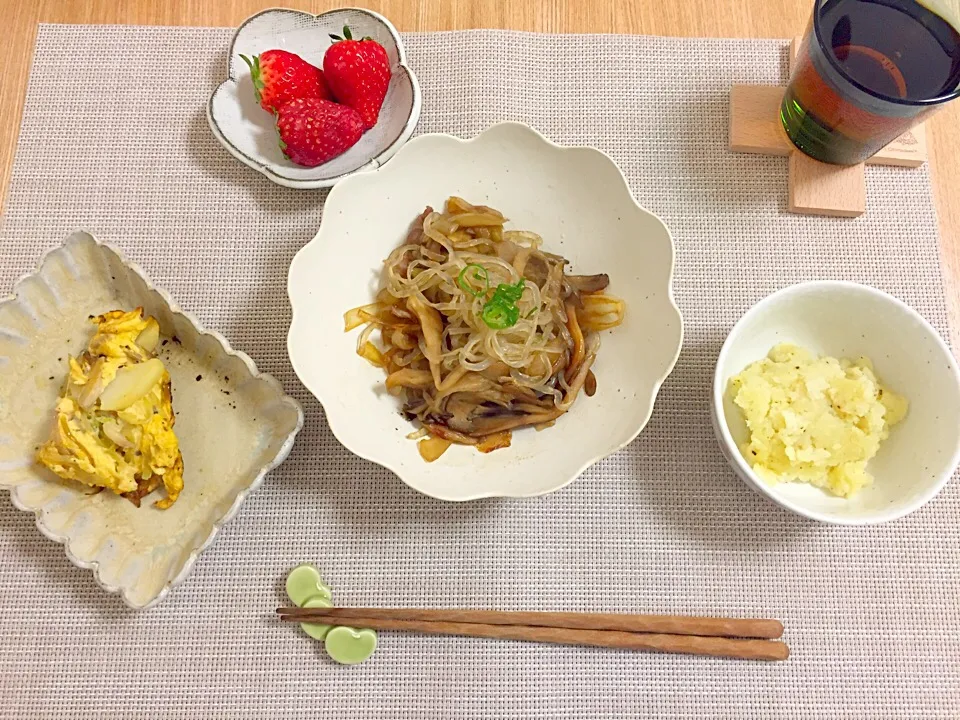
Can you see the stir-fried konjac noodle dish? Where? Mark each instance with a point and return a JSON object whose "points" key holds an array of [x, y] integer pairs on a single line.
{"points": [[482, 332]]}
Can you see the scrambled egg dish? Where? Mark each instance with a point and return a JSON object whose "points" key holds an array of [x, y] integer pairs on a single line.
{"points": [[114, 419], [814, 420]]}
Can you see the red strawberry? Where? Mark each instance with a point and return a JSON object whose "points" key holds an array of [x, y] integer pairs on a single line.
{"points": [[358, 72], [314, 131], [280, 76]]}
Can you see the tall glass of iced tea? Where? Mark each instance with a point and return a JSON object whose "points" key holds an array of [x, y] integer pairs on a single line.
{"points": [[867, 71]]}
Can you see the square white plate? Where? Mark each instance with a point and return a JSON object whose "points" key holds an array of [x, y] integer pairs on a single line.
{"points": [[233, 422]]}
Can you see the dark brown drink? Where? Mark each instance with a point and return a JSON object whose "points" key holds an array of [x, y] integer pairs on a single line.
{"points": [[866, 72]]}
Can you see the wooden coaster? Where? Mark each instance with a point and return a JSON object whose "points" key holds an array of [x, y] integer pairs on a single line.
{"points": [[815, 188]]}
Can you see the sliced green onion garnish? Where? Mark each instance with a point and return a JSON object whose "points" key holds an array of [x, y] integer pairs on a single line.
{"points": [[479, 273], [499, 316], [501, 310], [510, 293]]}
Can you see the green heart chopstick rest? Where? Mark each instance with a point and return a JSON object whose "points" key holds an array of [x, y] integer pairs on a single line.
{"points": [[349, 646], [303, 583], [345, 645]]}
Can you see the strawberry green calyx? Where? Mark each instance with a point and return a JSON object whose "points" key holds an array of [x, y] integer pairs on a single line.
{"points": [[347, 35], [254, 66]]}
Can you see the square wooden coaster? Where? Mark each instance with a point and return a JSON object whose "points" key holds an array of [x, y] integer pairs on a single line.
{"points": [[815, 188]]}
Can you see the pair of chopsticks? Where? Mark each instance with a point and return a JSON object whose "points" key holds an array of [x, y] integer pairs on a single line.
{"points": [[745, 639]]}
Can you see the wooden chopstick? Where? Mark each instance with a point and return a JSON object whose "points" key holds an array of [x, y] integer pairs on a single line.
{"points": [[661, 624], [685, 644]]}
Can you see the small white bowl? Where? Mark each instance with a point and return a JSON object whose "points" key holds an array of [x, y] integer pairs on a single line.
{"points": [[847, 320], [579, 201], [234, 423], [248, 132]]}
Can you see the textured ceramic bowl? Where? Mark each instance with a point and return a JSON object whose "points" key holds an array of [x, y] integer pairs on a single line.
{"points": [[578, 200], [233, 422], [847, 320], [248, 132]]}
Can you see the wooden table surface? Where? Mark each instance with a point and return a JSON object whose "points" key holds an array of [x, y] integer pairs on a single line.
{"points": [[706, 18]]}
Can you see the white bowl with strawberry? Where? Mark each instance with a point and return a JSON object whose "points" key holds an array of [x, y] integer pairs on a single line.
{"points": [[312, 99]]}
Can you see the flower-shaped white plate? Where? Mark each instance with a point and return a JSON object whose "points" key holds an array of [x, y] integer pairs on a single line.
{"points": [[579, 201], [233, 422], [249, 133]]}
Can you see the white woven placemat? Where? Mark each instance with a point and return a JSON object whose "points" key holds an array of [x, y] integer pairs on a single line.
{"points": [[115, 140]]}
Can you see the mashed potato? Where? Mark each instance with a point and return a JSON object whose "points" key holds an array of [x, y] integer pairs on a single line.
{"points": [[814, 420]]}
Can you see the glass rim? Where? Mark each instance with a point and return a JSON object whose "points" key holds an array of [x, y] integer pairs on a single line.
{"points": [[835, 64]]}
